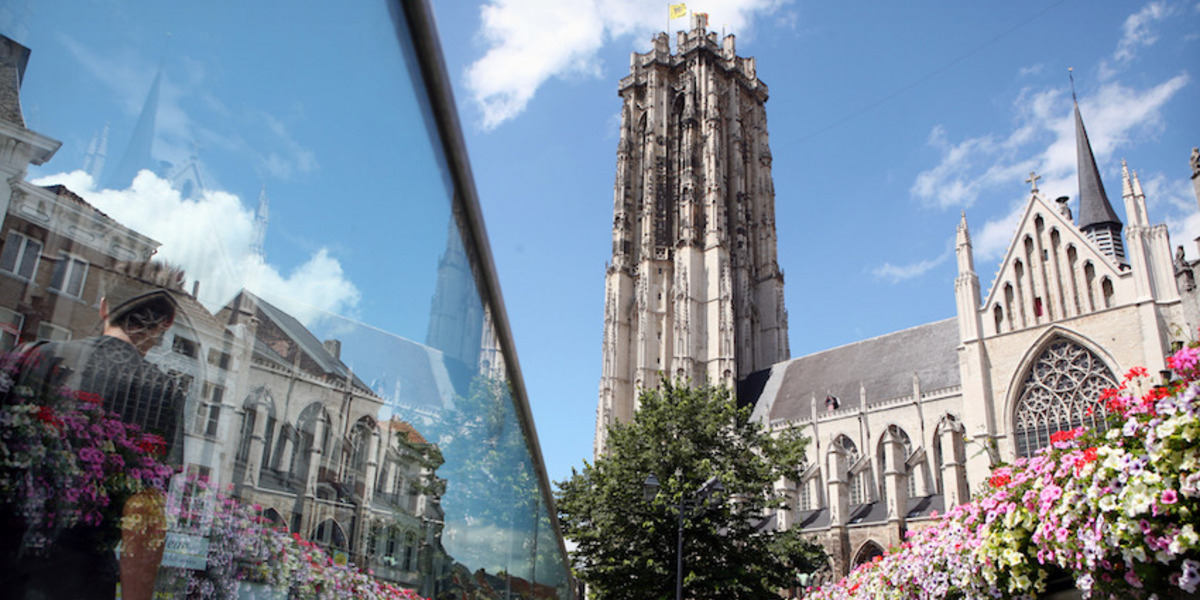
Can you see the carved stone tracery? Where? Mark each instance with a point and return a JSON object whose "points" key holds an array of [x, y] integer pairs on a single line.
{"points": [[1061, 392]]}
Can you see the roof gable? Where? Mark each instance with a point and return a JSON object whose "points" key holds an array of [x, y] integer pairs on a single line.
{"points": [[1027, 228]]}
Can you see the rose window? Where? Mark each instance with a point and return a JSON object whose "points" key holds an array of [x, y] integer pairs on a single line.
{"points": [[1061, 392]]}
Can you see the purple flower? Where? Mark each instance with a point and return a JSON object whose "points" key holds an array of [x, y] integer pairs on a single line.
{"points": [[91, 455], [1132, 579]]}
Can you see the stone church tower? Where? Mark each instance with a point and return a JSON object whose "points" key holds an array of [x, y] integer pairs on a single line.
{"points": [[694, 290]]}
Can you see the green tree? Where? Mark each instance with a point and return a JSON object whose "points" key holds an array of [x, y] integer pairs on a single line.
{"points": [[626, 545]]}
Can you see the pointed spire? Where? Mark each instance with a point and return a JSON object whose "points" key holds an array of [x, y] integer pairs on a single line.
{"points": [[1096, 216], [138, 155], [1135, 200], [966, 258], [1094, 208], [966, 286], [260, 223]]}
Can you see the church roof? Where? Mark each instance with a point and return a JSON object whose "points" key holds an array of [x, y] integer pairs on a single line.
{"points": [[871, 513], [1094, 207], [326, 364], [883, 366]]}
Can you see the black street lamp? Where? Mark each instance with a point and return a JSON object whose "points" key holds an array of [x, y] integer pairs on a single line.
{"points": [[650, 489]]}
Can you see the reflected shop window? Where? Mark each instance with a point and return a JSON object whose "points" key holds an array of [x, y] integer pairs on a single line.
{"points": [[251, 342]]}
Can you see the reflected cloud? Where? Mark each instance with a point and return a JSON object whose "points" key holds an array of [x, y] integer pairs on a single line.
{"points": [[212, 237]]}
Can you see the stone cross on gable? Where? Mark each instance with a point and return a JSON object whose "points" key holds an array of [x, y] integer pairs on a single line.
{"points": [[1033, 179]]}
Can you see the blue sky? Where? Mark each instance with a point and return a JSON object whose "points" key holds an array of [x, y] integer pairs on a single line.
{"points": [[887, 121]]}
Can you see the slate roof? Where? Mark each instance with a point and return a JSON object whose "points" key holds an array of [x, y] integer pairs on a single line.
{"points": [[872, 512], [1094, 207], [926, 506], [66, 194], [884, 366], [305, 340], [195, 316], [813, 519]]}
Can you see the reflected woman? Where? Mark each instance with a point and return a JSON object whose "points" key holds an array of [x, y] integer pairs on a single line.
{"points": [[137, 308]]}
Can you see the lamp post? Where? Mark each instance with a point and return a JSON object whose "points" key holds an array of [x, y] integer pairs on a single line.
{"points": [[650, 489]]}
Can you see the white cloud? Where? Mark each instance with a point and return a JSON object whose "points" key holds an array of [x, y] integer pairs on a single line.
{"points": [[1043, 140], [1137, 32], [954, 182], [292, 158], [897, 273], [211, 237], [1032, 70], [1177, 199], [531, 41], [991, 241]]}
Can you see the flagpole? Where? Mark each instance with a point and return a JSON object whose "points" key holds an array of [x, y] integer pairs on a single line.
{"points": [[670, 17]]}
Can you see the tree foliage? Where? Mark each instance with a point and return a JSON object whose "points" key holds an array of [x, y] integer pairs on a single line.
{"points": [[626, 545]]}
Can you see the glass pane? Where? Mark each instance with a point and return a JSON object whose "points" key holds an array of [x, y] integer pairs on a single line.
{"points": [[78, 269], [60, 272], [29, 258], [284, 376], [8, 257]]}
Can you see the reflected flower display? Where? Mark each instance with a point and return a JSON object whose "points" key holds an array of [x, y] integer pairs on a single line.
{"points": [[65, 461], [248, 554], [1112, 514]]}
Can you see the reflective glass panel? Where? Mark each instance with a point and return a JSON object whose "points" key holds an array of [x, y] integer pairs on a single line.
{"points": [[251, 351]]}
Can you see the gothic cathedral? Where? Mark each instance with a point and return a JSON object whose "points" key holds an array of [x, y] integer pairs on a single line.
{"points": [[903, 425], [694, 290]]}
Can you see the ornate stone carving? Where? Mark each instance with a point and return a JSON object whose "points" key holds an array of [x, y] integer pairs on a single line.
{"points": [[701, 200], [1061, 392]]}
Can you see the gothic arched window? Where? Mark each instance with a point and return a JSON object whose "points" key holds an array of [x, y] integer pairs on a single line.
{"points": [[1061, 392], [854, 478], [910, 480], [867, 553]]}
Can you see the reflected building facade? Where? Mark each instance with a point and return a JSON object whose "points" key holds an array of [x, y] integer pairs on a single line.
{"points": [[414, 463]]}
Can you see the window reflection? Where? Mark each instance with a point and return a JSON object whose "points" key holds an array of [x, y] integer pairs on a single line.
{"points": [[181, 419]]}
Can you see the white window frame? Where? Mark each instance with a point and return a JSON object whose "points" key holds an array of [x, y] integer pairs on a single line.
{"points": [[53, 333], [185, 346], [208, 413], [20, 258], [67, 265], [11, 323]]}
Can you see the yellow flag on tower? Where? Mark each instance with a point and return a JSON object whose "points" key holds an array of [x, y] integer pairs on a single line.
{"points": [[677, 10]]}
